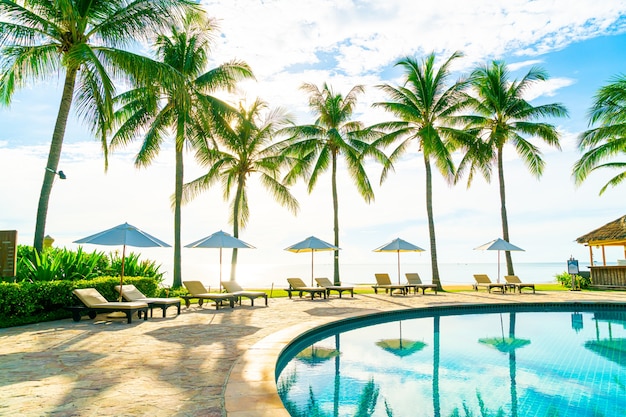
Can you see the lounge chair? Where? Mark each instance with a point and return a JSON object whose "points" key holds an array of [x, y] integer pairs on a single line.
{"points": [[197, 290], [131, 293], [415, 282], [326, 283], [483, 280], [94, 304], [384, 282], [516, 283], [235, 289], [297, 285]]}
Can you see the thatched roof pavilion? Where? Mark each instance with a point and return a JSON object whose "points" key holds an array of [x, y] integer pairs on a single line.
{"points": [[611, 234]]}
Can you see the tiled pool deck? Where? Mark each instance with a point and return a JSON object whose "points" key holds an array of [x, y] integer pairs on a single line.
{"points": [[205, 362]]}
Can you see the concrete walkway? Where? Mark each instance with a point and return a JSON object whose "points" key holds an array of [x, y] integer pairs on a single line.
{"points": [[205, 362]]}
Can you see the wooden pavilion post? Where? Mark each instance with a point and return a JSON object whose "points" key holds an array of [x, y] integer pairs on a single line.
{"points": [[603, 256], [590, 255]]}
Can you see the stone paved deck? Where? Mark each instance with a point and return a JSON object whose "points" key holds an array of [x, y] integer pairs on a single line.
{"points": [[205, 362]]}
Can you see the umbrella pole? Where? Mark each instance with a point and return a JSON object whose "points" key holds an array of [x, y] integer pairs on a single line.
{"points": [[312, 252], [498, 267], [220, 287], [398, 267], [122, 272]]}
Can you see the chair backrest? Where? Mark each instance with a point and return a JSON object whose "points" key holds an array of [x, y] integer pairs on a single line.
{"points": [[89, 296], [296, 283], [413, 278], [512, 279], [382, 279], [324, 282], [231, 286], [130, 292], [482, 279], [195, 287]]}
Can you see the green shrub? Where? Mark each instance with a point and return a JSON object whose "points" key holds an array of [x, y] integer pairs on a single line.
{"points": [[33, 302], [565, 279]]}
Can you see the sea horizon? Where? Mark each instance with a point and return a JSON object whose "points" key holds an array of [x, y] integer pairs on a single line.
{"points": [[275, 275]]}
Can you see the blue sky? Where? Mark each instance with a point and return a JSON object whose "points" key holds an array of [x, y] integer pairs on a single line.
{"points": [[346, 43]]}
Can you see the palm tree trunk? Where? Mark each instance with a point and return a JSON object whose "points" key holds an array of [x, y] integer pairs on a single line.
{"points": [[431, 224], [233, 262], [54, 155], [505, 222], [336, 278], [178, 196]]}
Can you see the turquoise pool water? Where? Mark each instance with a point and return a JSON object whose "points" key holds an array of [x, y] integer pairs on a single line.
{"points": [[540, 360]]}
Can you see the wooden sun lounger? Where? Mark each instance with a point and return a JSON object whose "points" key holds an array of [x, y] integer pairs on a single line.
{"points": [[482, 280], [198, 291], [131, 293], [235, 289], [329, 286], [94, 303], [297, 285], [384, 282], [415, 282], [516, 283]]}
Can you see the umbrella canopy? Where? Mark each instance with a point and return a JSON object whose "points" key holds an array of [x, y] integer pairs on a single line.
{"points": [[220, 240], [124, 234], [399, 245], [505, 344], [311, 244], [499, 245], [401, 347], [314, 355]]}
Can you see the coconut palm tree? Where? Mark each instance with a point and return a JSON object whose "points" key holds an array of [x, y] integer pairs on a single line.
{"points": [[609, 138], [85, 42], [425, 107], [245, 148], [503, 116], [319, 146], [185, 111]]}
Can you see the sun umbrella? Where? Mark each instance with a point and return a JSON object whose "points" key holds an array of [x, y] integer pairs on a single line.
{"points": [[219, 240], [401, 347], [314, 355], [398, 245], [124, 234], [499, 245], [311, 244]]}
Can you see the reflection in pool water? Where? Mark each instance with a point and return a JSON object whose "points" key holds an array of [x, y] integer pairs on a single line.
{"points": [[502, 363]]}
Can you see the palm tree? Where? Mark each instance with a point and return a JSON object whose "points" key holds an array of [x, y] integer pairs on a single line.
{"points": [[608, 139], [184, 110], [82, 39], [504, 116], [425, 107], [245, 149], [319, 145]]}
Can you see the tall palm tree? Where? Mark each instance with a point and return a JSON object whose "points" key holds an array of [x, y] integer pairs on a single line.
{"points": [[502, 116], [85, 41], [185, 111], [607, 140], [245, 148], [425, 106], [319, 146]]}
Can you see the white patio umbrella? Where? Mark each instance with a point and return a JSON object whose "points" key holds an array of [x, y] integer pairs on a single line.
{"points": [[311, 244], [124, 234], [499, 245], [220, 240], [399, 245]]}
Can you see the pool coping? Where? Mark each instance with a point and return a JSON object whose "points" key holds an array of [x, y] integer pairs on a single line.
{"points": [[251, 386]]}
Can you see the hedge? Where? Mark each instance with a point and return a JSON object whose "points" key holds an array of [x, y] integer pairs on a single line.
{"points": [[34, 302]]}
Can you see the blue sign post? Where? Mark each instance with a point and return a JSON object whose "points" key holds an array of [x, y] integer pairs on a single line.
{"points": [[572, 269]]}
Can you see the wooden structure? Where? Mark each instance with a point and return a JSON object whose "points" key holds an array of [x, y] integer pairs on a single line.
{"points": [[611, 234]]}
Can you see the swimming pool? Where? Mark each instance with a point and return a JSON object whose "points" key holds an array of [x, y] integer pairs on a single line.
{"points": [[563, 360]]}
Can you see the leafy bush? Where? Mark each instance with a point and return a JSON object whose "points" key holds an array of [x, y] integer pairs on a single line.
{"points": [[565, 279], [32, 302]]}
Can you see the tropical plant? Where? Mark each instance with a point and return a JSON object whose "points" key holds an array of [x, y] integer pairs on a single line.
{"points": [[318, 146], [503, 116], [82, 39], [244, 148], [608, 139], [185, 110], [425, 106]]}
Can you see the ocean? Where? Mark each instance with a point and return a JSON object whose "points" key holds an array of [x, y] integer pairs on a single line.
{"points": [[268, 276]]}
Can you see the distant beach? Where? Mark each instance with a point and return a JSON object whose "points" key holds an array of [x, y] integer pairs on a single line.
{"points": [[264, 276]]}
